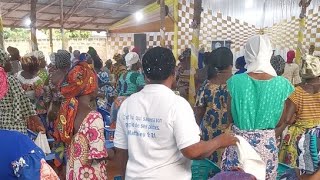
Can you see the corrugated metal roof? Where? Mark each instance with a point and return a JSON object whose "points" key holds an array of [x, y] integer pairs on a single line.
{"points": [[78, 14]]}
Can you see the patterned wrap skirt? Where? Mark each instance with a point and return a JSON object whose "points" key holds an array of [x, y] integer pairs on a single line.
{"points": [[263, 141]]}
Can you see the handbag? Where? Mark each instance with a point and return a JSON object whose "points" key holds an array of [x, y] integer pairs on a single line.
{"points": [[310, 67]]}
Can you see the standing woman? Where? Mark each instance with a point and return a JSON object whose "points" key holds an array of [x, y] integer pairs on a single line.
{"points": [[257, 101], [80, 127], [291, 70], [212, 98], [119, 67], [302, 114], [16, 110], [184, 73]]}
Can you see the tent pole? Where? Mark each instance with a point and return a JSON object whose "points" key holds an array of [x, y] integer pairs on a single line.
{"points": [[176, 19], [162, 23], [50, 39], [33, 18], [194, 48], [1, 33], [61, 25]]}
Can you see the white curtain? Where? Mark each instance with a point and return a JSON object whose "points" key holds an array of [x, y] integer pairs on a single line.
{"points": [[262, 13]]}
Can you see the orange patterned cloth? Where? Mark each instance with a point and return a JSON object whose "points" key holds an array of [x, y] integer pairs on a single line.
{"points": [[81, 80]]}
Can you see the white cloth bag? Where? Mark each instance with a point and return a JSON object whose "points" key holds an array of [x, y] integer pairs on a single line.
{"points": [[42, 142], [250, 160]]}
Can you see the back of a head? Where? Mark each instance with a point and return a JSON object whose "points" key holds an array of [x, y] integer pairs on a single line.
{"points": [[158, 64], [221, 58], [278, 63], [76, 54], [62, 59]]}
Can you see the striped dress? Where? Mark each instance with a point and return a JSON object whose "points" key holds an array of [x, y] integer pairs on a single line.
{"points": [[307, 116]]}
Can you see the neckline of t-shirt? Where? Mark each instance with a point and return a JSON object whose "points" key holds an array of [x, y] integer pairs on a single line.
{"points": [[261, 80], [308, 92], [152, 87]]}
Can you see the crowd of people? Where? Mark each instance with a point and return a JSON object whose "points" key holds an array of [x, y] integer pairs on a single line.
{"points": [[270, 103]]}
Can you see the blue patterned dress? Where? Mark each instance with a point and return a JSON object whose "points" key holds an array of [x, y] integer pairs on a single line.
{"points": [[215, 120]]}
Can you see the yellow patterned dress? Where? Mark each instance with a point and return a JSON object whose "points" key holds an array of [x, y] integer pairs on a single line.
{"points": [[307, 116]]}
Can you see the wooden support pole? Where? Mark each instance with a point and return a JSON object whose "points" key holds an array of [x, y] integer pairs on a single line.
{"points": [[1, 32], [33, 25], [50, 39], [196, 24], [62, 25], [176, 20], [162, 23]]}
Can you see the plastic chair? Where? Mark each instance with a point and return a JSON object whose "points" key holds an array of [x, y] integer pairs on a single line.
{"points": [[282, 168], [202, 168], [106, 116]]}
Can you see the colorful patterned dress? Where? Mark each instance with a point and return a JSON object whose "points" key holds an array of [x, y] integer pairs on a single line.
{"points": [[215, 120], [307, 116], [87, 150]]}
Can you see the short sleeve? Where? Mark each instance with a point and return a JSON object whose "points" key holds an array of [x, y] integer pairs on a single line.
{"points": [[95, 135], [295, 96], [140, 80], [185, 129], [201, 99], [230, 86], [288, 89], [296, 76], [120, 136]]}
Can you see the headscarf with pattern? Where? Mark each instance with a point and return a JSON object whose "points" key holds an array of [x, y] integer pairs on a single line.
{"points": [[3, 75], [278, 63], [81, 80]]}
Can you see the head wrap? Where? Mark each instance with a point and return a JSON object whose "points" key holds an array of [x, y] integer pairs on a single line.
{"points": [[136, 50], [290, 56], [81, 80], [278, 63], [62, 59], [53, 58], [258, 52], [14, 53], [92, 52], [185, 54], [84, 57], [117, 57], [38, 54], [30, 62], [3, 75], [131, 59], [241, 61], [158, 63]]}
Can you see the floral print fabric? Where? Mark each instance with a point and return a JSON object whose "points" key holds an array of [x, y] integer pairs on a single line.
{"points": [[263, 141], [87, 150], [215, 120]]}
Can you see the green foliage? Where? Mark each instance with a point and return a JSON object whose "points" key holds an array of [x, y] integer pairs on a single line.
{"points": [[21, 33], [16, 33]]}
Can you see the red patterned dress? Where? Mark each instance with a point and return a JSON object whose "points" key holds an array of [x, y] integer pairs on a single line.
{"points": [[87, 151]]}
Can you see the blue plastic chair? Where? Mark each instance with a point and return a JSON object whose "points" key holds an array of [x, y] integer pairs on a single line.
{"points": [[106, 116]]}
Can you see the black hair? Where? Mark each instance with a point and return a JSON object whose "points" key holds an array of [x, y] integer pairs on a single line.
{"points": [[158, 64], [97, 63], [221, 58], [206, 58], [212, 72]]}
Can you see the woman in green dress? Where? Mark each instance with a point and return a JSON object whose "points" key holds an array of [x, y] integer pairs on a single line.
{"points": [[257, 102]]}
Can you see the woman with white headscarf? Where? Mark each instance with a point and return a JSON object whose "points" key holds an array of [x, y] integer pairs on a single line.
{"points": [[129, 83], [257, 100]]}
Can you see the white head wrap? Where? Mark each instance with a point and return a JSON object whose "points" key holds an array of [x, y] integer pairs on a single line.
{"points": [[131, 58], [258, 52]]}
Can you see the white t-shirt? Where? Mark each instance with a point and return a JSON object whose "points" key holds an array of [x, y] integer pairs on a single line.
{"points": [[154, 125]]}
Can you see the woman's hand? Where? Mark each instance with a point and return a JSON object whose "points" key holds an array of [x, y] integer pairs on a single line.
{"points": [[226, 139], [35, 124]]}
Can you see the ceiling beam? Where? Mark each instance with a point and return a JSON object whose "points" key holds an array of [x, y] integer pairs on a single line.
{"points": [[13, 9], [58, 21], [47, 6]]}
